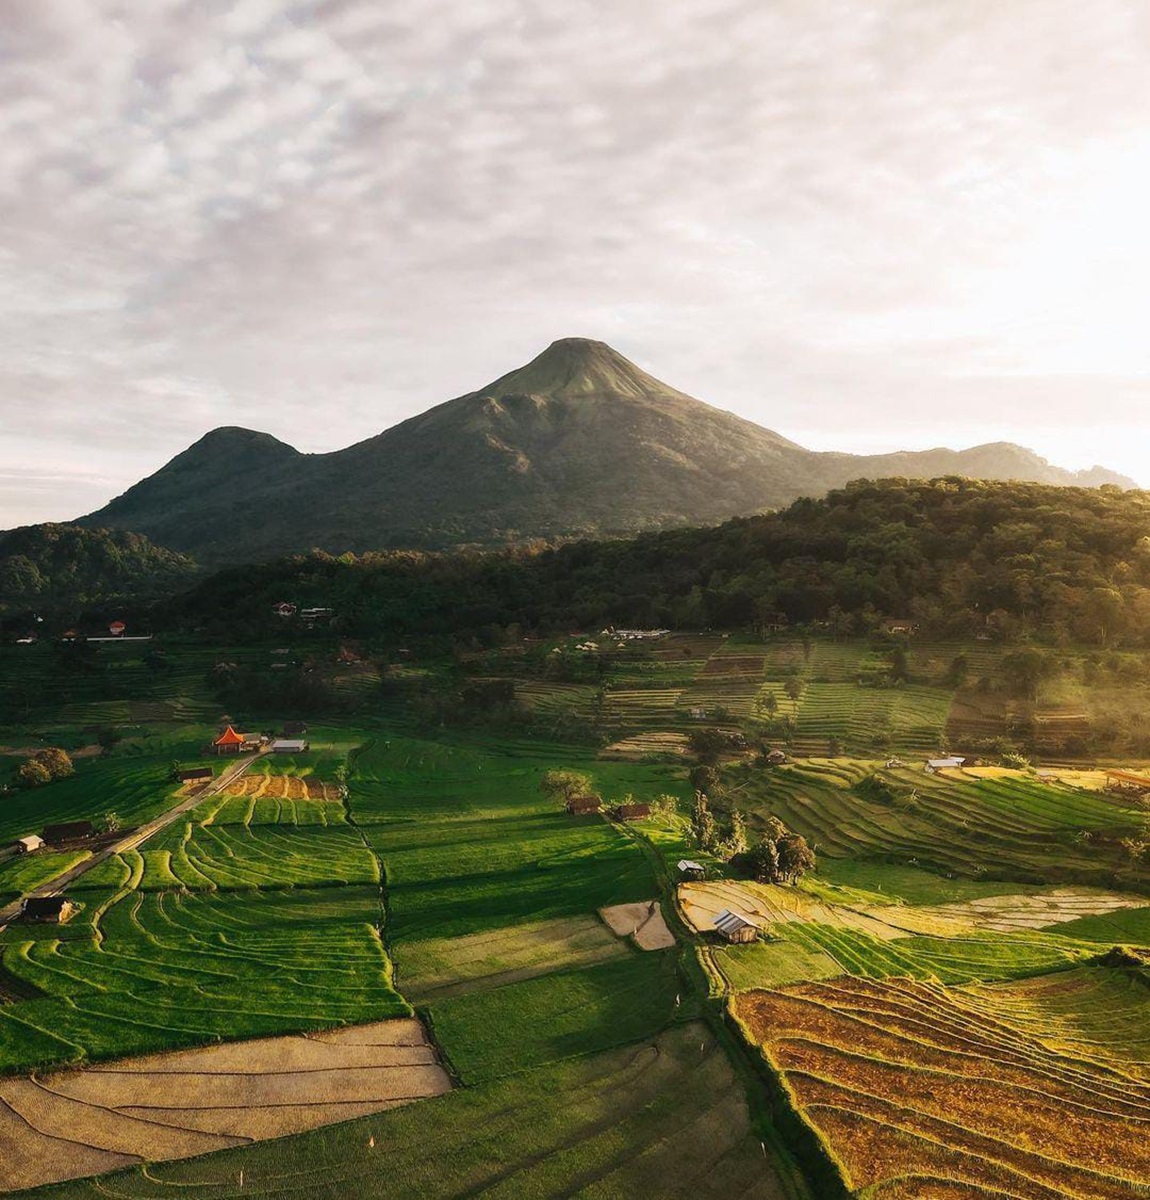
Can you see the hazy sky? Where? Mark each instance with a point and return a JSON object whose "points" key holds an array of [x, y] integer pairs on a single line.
{"points": [[866, 225]]}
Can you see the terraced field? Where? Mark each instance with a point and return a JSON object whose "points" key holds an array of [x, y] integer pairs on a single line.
{"points": [[924, 1091], [235, 922], [1020, 829]]}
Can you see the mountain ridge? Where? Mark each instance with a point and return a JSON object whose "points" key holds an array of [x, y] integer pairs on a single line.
{"points": [[577, 442]]}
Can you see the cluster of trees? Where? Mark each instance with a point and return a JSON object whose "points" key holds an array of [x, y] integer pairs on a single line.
{"points": [[960, 557], [779, 856], [64, 569], [45, 765]]}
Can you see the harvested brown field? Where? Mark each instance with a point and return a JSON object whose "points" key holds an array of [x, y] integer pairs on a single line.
{"points": [[1018, 913], [769, 904], [283, 787], [166, 1106], [643, 745], [735, 664], [921, 1090], [643, 921]]}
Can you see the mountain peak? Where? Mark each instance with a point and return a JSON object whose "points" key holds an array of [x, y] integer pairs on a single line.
{"points": [[576, 367]]}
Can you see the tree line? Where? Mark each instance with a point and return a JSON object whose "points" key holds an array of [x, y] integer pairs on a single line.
{"points": [[960, 558]]}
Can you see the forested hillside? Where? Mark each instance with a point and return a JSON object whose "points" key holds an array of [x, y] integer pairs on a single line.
{"points": [[961, 558], [61, 568]]}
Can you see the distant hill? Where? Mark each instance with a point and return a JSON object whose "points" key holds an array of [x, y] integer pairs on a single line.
{"points": [[52, 567], [579, 442]]}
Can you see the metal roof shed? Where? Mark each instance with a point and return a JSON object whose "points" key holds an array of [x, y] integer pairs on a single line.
{"points": [[735, 927]]}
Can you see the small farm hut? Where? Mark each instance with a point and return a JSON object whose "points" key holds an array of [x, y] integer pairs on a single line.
{"points": [[68, 831], [289, 746], [50, 910], [934, 765], [29, 844], [631, 812], [689, 869], [734, 927], [189, 774], [776, 758], [584, 806]]}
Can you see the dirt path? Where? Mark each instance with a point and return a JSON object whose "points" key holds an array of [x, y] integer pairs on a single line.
{"points": [[129, 841]]}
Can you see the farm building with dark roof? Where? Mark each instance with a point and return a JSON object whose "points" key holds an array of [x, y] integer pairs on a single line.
{"points": [[68, 831], [52, 910], [580, 806]]}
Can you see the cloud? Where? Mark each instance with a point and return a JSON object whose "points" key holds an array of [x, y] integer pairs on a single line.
{"points": [[320, 217]]}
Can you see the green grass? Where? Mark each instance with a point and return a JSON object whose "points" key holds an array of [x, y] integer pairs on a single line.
{"points": [[951, 960], [890, 883], [773, 964], [440, 967], [1126, 927], [135, 788], [28, 871], [560, 1015]]}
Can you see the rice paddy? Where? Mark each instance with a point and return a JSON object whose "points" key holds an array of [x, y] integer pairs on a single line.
{"points": [[941, 973], [922, 1090]]}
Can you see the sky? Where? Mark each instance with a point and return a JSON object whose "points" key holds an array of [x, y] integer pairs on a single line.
{"points": [[869, 226]]}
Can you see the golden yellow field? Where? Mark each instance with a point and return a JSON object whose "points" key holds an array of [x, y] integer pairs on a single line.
{"points": [[283, 787], [924, 1091]]}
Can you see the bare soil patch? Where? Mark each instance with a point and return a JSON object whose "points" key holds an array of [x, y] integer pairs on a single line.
{"points": [[642, 921], [165, 1106]]}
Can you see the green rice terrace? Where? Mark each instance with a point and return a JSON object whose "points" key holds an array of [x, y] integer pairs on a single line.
{"points": [[419, 974]]}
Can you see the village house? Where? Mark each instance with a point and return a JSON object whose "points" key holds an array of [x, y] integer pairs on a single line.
{"points": [[689, 869], [583, 806], [776, 758], [734, 927], [68, 831], [29, 844], [284, 609], [47, 910], [231, 742], [630, 812], [902, 625]]}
